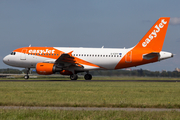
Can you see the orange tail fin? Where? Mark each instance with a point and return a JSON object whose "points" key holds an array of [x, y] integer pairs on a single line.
{"points": [[154, 38]]}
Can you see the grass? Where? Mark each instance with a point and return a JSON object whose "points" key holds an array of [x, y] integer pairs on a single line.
{"points": [[28, 114], [91, 94]]}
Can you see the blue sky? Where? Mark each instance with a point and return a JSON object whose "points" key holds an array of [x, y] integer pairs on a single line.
{"points": [[82, 23]]}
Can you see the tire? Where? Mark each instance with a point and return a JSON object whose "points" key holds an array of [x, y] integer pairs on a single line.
{"points": [[26, 77], [87, 76], [74, 77]]}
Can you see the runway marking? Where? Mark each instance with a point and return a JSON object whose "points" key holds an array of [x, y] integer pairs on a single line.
{"points": [[89, 108]]}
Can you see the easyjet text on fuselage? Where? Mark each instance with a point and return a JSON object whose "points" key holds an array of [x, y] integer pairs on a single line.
{"points": [[42, 51]]}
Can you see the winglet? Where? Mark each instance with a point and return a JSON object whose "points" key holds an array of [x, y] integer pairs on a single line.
{"points": [[154, 38], [70, 53]]}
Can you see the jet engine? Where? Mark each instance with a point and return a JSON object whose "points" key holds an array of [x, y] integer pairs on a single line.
{"points": [[47, 68]]}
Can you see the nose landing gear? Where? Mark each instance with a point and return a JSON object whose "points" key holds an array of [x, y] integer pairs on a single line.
{"points": [[27, 72]]}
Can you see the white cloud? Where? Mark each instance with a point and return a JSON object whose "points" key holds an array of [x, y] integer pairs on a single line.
{"points": [[175, 21]]}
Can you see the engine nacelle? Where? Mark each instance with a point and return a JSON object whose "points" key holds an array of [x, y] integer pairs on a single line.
{"points": [[66, 72], [50, 68], [47, 68], [44, 68]]}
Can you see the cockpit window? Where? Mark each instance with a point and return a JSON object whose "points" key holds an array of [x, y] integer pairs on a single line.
{"points": [[13, 53]]}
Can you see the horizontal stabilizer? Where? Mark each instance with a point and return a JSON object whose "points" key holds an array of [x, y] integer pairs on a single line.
{"points": [[151, 55]]}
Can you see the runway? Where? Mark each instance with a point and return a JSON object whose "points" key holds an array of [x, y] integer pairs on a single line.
{"points": [[89, 80], [89, 108]]}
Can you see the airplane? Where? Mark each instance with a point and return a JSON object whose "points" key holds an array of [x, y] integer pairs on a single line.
{"points": [[71, 61]]}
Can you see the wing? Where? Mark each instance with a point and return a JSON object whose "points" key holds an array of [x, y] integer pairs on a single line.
{"points": [[66, 60]]}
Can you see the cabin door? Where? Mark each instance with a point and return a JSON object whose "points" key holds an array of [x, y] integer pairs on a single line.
{"points": [[128, 58], [23, 54]]}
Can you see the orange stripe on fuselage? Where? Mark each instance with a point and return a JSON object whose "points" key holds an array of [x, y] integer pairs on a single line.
{"points": [[83, 62]]}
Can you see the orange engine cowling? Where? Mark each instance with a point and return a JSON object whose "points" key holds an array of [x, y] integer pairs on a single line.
{"points": [[44, 68], [66, 72]]}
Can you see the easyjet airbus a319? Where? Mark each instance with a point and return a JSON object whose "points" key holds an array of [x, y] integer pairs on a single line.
{"points": [[70, 61]]}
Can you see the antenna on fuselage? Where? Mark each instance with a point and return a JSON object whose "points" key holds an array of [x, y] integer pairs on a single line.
{"points": [[30, 45], [102, 47]]}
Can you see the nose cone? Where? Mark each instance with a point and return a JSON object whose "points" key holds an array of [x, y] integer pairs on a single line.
{"points": [[6, 59]]}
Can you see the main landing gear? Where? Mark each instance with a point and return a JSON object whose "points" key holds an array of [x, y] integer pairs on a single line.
{"points": [[86, 76], [74, 77], [27, 72]]}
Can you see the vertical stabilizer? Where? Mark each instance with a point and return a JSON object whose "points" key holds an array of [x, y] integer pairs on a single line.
{"points": [[154, 38]]}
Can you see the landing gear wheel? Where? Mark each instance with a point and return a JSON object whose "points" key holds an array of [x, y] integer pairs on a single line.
{"points": [[87, 76], [26, 76], [74, 77], [27, 72]]}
